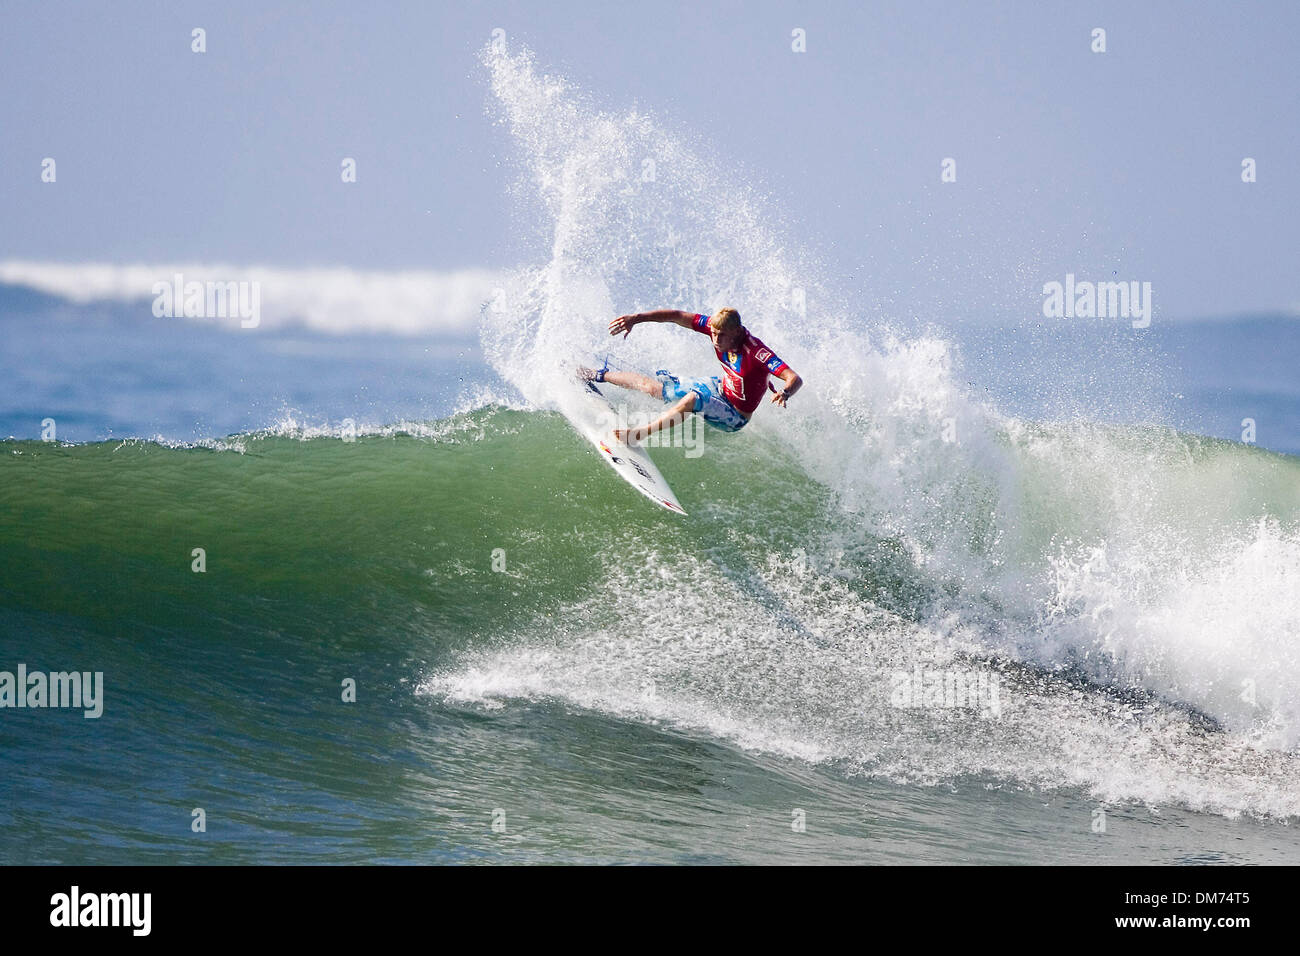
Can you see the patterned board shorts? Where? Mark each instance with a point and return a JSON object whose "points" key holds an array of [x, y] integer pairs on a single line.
{"points": [[709, 401]]}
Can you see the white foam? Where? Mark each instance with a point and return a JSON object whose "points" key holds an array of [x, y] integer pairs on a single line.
{"points": [[1216, 627], [331, 300], [821, 691]]}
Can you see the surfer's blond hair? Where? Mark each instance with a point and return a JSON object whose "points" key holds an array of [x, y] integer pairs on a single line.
{"points": [[724, 319]]}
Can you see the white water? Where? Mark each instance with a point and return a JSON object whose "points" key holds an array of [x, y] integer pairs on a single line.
{"points": [[1151, 563], [335, 301]]}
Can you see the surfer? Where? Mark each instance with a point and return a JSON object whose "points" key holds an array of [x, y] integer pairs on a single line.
{"points": [[728, 402]]}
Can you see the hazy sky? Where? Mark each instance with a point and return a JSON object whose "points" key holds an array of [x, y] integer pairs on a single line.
{"points": [[1124, 164]]}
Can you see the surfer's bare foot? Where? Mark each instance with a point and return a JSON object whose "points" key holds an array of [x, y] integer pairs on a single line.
{"points": [[593, 374], [627, 435]]}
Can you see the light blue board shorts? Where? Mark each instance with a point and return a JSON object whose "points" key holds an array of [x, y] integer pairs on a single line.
{"points": [[709, 401]]}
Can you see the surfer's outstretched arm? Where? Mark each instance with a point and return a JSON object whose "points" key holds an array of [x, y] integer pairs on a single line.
{"points": [[623, 324]]}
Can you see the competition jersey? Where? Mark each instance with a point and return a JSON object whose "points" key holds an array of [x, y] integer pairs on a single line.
{"points": [[745, 380]]}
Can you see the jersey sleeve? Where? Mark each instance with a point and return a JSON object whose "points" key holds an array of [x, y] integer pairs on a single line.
{"points": [[701, 323], [766, 356]]}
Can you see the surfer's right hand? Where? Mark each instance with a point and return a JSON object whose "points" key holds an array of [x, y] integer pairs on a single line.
{"points": [[622, 324]]}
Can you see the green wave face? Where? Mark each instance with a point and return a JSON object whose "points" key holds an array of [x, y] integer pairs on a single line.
{"points": [[381, 536]]}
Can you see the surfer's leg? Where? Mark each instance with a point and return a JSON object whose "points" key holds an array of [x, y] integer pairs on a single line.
{"points": [[674, 416], [642, 383]]}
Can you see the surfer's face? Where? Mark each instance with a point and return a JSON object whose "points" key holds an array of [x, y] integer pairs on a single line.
{"points": [[729, 340]]}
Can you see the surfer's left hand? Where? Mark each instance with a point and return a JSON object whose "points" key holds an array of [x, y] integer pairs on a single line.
{"points": [[622, 324], [778, 397]]}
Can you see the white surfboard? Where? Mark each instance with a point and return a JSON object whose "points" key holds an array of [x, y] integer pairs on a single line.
{"points": [[593, 415]]}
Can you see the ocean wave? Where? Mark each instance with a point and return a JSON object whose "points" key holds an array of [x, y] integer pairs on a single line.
{"points": [[334, 301]]}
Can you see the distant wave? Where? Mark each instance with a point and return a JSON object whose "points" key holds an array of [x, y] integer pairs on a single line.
{"points": [[330, 300]]}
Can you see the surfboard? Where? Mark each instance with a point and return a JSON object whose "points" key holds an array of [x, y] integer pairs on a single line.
{"points": [[594, 415]]}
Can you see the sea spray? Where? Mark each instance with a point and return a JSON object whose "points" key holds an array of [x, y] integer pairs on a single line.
{"points": [[964, 524]]}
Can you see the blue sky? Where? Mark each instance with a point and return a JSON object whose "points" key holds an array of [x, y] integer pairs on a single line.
{"points": [[1125, 164]]}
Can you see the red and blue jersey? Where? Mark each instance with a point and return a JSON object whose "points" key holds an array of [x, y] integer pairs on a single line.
{"points": [[745, 380]]}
